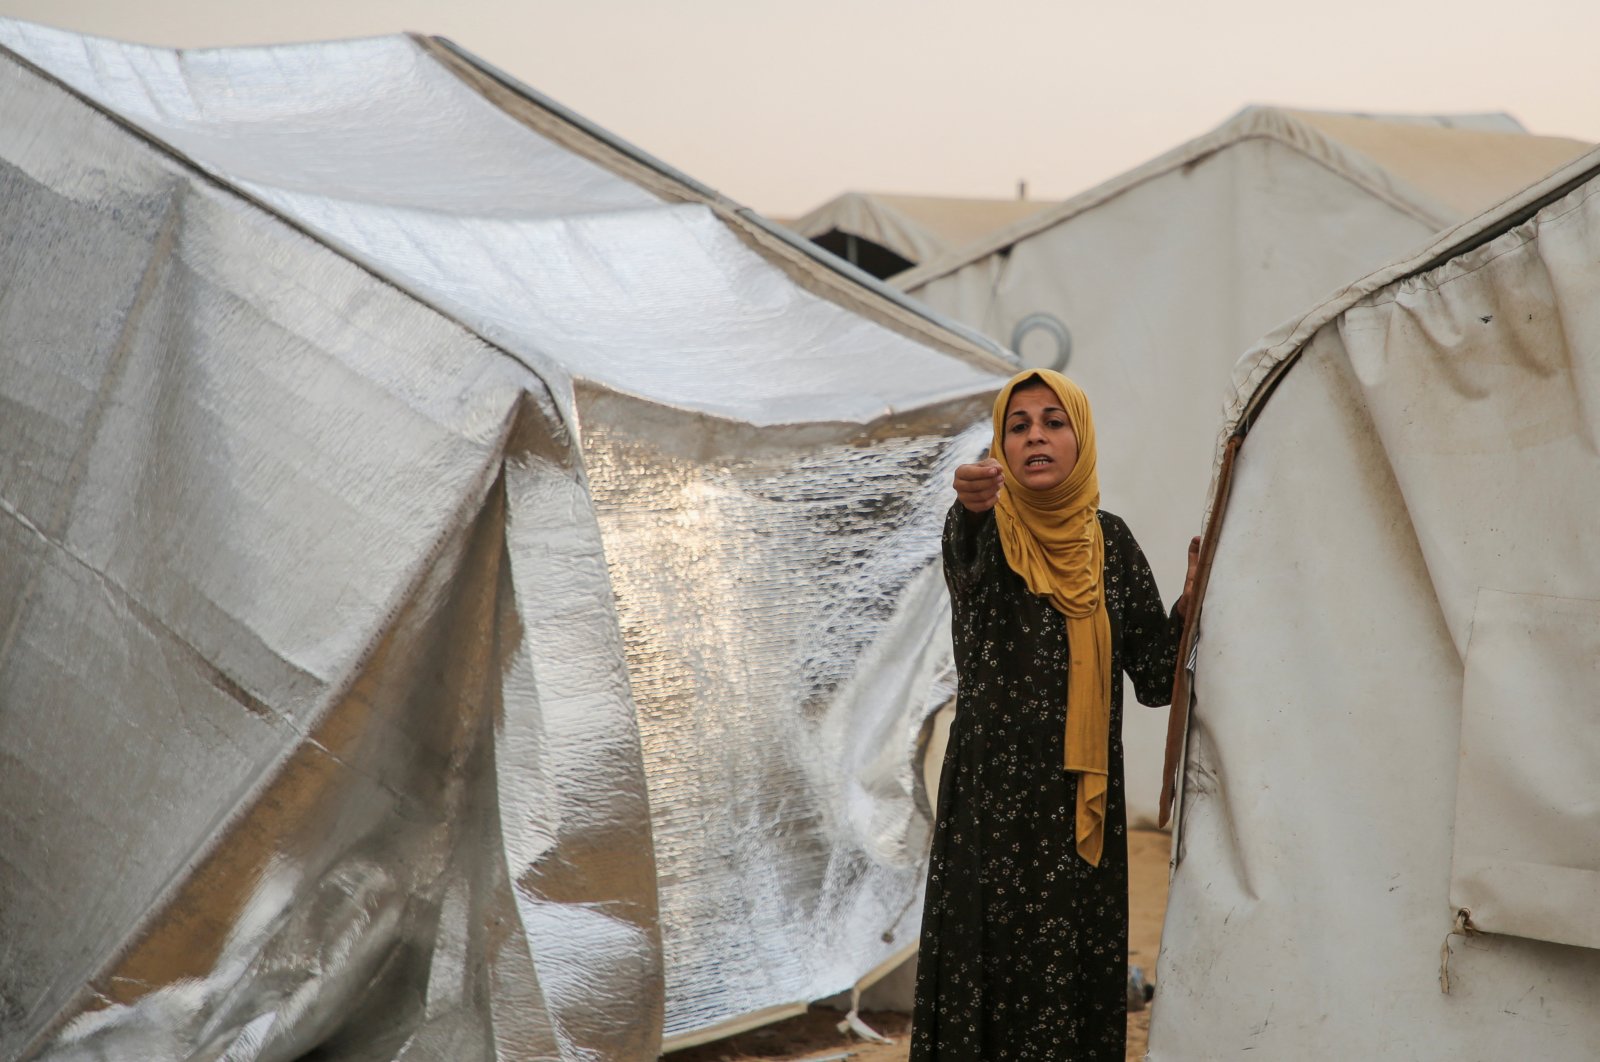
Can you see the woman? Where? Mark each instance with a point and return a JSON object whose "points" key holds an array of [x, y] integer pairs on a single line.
{"points": [[1025, 925]]}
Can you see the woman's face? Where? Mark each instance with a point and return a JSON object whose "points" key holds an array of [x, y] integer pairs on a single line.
{"points": [[1040, 446]]}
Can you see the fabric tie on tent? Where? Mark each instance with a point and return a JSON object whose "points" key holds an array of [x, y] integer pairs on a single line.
{"points": [[1052, 539]]}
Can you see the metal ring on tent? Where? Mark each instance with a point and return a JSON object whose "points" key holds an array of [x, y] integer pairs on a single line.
{"points": [[1051, 324]]}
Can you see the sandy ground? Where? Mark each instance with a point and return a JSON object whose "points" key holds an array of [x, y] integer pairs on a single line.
{"points": [[815, 1037]]}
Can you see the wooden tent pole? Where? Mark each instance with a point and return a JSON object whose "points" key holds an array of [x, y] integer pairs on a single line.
{"points": [[1178, 714]]}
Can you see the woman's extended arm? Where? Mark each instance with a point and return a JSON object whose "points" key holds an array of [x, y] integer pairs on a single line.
{"points": [[963, 559], [977, 488]]}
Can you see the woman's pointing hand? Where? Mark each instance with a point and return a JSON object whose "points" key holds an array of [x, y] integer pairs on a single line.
{"points": [[978, 486]]}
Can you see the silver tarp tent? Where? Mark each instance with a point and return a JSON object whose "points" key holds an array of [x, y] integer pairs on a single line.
{"points": [[469, 590], [1389, 844]]}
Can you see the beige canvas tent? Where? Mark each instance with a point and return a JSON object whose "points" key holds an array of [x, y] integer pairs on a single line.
{"points": [[1147, 288], [1389, 844], [466, 585], [887, 234]]}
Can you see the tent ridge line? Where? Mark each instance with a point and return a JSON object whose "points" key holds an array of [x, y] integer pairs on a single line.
{"points": [[988, 354], [433, 43], [1521, 216], [1247, 125]]}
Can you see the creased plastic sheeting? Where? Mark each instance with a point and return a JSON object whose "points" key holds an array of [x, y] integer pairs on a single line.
{"points": [[295, 750], [1398, 643]]}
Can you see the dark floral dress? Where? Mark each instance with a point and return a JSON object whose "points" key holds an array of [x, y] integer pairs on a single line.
{"points": [[1024, 954]]}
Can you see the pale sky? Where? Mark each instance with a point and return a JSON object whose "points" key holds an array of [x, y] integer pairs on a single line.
{"points": [[782, 104]]}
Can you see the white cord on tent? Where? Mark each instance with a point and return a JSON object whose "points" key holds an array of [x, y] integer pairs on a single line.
{"points": [[1462, 928], [852, 1022]]}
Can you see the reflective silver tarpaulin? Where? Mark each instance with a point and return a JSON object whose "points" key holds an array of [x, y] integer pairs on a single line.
{"points": [[466, 593]]}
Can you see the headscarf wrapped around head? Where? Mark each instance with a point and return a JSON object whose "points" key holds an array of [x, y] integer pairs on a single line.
{"points": [[1052, 539]]}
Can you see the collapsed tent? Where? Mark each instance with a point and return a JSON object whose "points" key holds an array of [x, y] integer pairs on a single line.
{"points": [[1147, 288], [471, 591], [1389, 844], [887, 234]]}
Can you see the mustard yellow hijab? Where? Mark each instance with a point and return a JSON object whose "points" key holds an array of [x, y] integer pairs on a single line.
{"points": [[1052, 539]]}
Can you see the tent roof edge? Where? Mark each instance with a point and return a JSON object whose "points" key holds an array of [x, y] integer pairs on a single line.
{"points": [[935, 328], [1252, 123], [1258, 370]]}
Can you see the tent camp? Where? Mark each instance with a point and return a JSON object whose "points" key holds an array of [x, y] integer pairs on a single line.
{"points": [[887, 234], [469, 590], [1389, 845], [1147, 288]]}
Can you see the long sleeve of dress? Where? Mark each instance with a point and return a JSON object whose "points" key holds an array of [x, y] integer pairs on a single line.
{"points": [[965, 563], [1150, 633]]}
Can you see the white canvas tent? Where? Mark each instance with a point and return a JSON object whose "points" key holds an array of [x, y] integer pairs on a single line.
{"points": [[1152, 284], [885, 234], [1389, 844], [448, 560]]}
